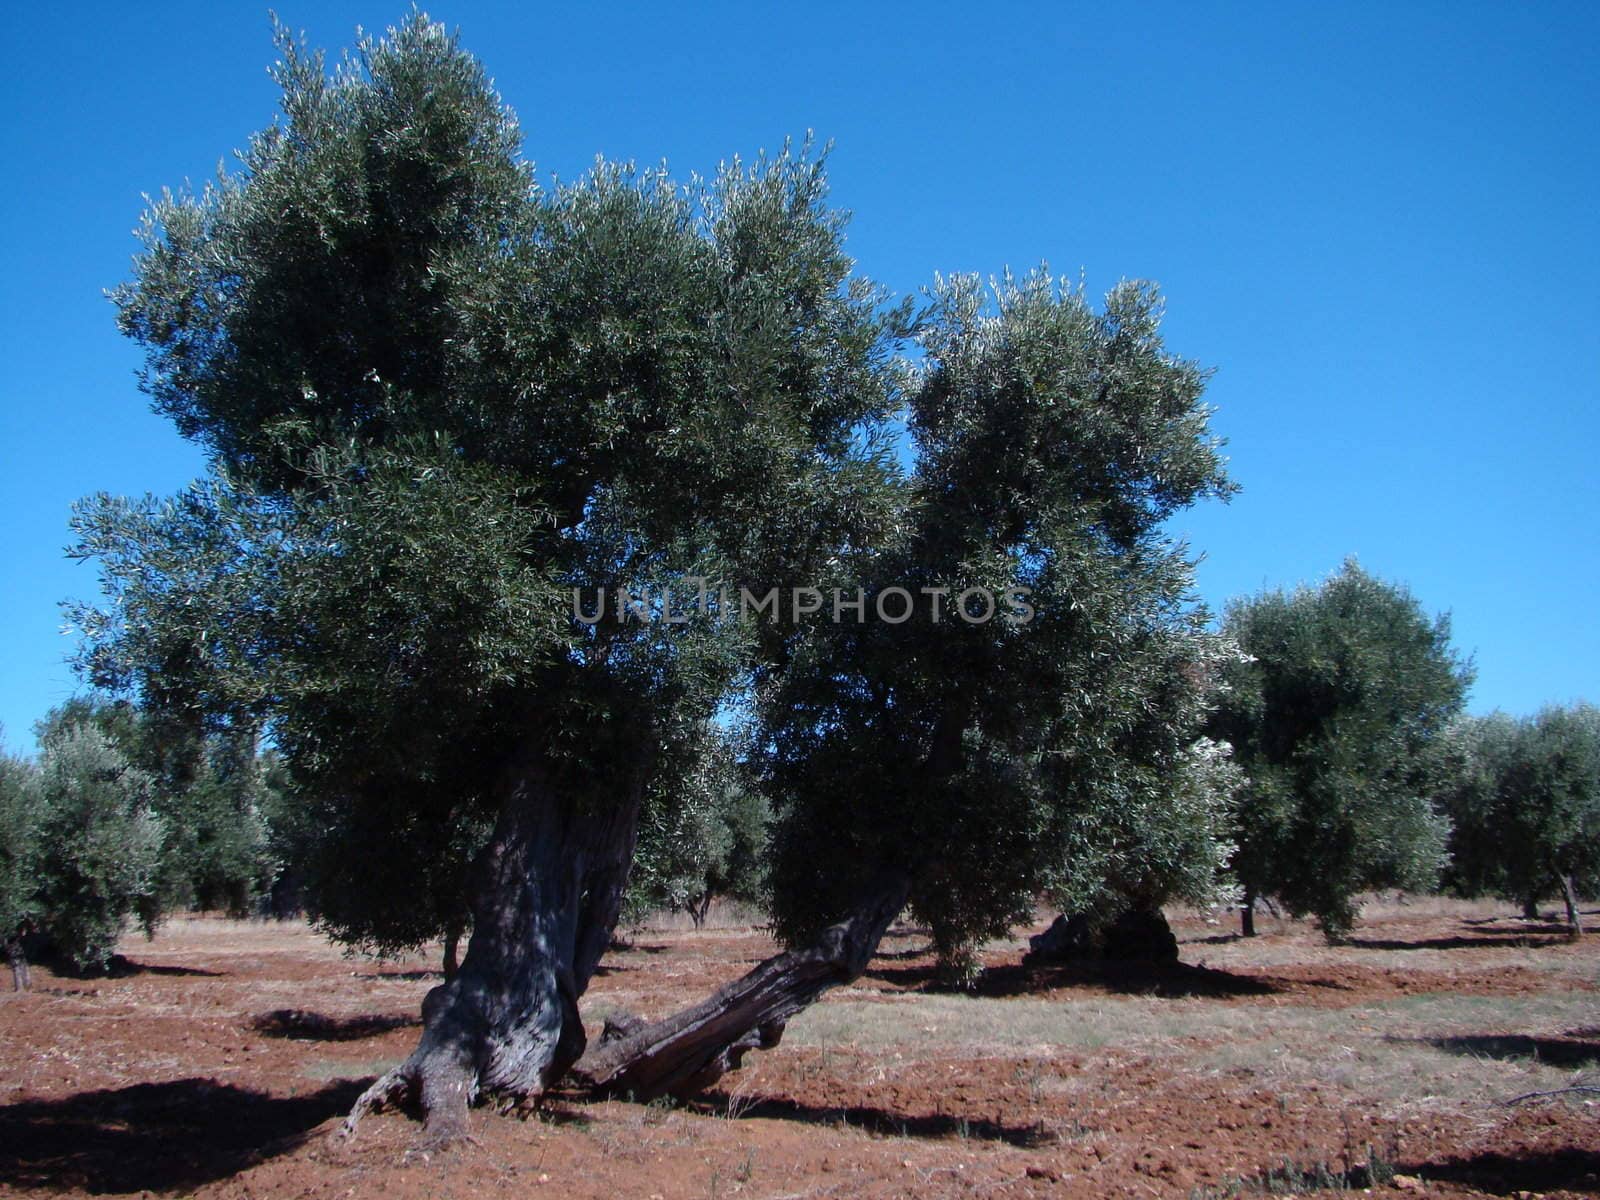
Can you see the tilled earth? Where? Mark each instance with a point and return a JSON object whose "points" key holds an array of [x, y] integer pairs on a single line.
{"points": [[218, 1058]]}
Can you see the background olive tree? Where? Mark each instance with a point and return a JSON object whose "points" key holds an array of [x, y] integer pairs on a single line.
{"points": [[100, 845], [211, 793], [1337, 716], [702, 834], [20, 851], [1524, 801]]}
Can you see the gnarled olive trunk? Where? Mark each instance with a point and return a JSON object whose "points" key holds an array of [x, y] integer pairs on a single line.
{"points": [[549, 888], [1569, 893], [18, 958], [691, 1049], [1135, 935], [452, 946]]}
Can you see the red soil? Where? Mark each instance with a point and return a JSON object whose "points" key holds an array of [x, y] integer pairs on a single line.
{"points": [[219, 1060]]}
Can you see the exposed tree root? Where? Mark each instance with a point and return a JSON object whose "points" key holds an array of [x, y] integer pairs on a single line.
{"points": [[387, 1090], [690, 1050]]}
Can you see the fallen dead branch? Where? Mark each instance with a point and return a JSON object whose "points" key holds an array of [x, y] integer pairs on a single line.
{"points": [[1565, 1091]]}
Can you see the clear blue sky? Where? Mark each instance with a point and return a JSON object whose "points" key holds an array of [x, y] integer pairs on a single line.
{"points": [[1378, 222]]}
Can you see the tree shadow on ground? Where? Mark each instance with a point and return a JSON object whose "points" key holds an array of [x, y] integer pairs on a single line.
{"points": [[1512, 939], [302, 1025], [1519, 924], [157, 1137], [119, 967], [1568, 1051], [610, 964], [416, 976], [1215, 939], [622, 947], [880, 1121], [902, 955], [1175, 981], [1524, 1172]]}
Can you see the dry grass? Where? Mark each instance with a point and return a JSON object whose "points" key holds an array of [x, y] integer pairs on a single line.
{"points": [[723, 915], [328, 1069], [1405, 1054]]}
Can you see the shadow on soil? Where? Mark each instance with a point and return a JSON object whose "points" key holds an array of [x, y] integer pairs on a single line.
{"points": [[1511, 939], [621, 947], [1177, 981], [1215, 939], [1567, 1051], [157, 1137], [883, 1122], [118, 968], [902, 955], [1568, 1169], [301, 1025]]}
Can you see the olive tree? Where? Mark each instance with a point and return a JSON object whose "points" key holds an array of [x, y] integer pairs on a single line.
{"points": [[475, 443], [80, 848], [99, 845], [209, 791], [1525, 804], [1168, 841], [439, 398], [1337, 717], [702, 834], [20, 814]]}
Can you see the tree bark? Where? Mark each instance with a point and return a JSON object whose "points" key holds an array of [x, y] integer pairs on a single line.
{"points": [[1068, 939], [1574, 919], [1530, 908], [548, 891], [15, 955], [452, 944], [1247, 914], [689, 1051]]}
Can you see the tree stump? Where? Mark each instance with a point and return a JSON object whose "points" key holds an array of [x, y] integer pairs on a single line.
{"points": [[1138, 935]]}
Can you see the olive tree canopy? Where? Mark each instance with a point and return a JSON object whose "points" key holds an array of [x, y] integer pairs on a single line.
{"points": [[1338, 716], [437, 398]]}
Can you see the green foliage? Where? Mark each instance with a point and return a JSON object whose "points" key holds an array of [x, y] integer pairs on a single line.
{"points": [[1524, 800], [1337, 717], [209, 791], [703, 834], [1477, 752], [983, 760], [100, 844], [1170, 842], [21, 813], [216, 854], [439, 397]]}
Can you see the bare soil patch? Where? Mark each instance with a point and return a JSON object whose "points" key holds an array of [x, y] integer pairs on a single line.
{"points": [[217, 1060]]}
